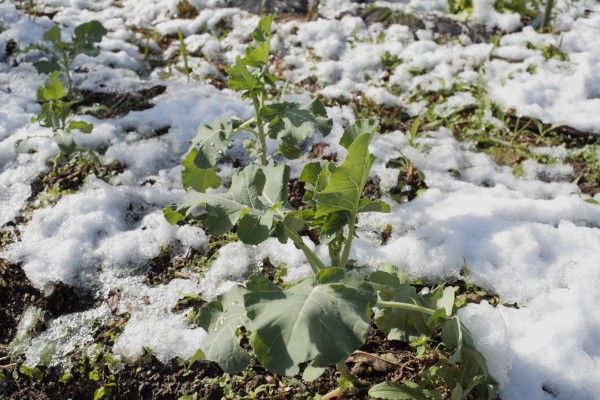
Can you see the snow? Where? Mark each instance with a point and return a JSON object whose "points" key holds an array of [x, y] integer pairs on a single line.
{"points": [[532, 240]]}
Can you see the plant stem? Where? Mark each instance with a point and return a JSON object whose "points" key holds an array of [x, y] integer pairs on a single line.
{"points": [[67, 71], [315, 262], [404, 306], [348, 244], [547, 13], [346, 373], [261, 130]]}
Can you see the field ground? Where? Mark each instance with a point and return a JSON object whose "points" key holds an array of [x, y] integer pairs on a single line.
{"points": [[488, 154]]}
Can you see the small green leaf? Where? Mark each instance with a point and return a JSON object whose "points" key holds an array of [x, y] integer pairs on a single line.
{"points": [[82, 126], [195, 174], [293, 124], [398, 324], [257, 53], [366, 205], [32, 372], [358, 128], [103, 391], [398, 391], [198, 356], [87, 36], [172, 215], [240, 79], [53, 89], [53, 35]]}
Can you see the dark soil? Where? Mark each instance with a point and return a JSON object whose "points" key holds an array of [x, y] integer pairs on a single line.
{"points": [[582, 171], [372, 191], [16, 294], [377, 360], [295, 193], [410, 180], [119, 104], [272, 6]]}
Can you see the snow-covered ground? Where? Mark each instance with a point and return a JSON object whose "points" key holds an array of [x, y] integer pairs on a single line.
{"points": [[533, 242]]}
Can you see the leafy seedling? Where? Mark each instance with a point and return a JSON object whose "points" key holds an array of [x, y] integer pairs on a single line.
{"points": [[60, 56], [57, 114], [289, 123]]}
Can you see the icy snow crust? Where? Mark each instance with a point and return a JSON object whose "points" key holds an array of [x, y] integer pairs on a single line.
{"points": [[534, 240]]}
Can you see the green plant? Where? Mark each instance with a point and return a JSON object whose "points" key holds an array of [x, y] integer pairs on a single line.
{"points": [[321, 319], [57, 114], [287, 122], [60, 57], [547, 13], [184, 55]]}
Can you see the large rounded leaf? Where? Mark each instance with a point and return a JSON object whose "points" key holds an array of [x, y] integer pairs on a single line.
{"points": [[324, 319]]}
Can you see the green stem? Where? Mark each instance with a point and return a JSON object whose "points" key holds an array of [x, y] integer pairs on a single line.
{"points": [[404, 306], [261, 131], [315, 262], [547, 13], [346, 373], [348, 244], [67, 71]]}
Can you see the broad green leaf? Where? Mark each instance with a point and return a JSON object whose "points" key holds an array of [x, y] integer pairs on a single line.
{"points": [[195, 174], [454, 335], [346, 182], [240, 79], [47, 66], [405, 390], [366, 205], [293, 124], [398, 324], [172, 215], [89, 33], [221, 319], [358, 128], [258, 55], [53, 35], [323, 319], [312, 373], [82, 126], [254, 192], [211, 141], [53, 89]]}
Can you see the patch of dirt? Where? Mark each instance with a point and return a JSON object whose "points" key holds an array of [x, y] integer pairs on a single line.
{"points": [[372, 191], [321, 150], [271, 6], [119, 104], [381, 359], [583, 172], [168, 266], [296, 193], [72, 174], [147, 379], [410, 180], [16, 294], [186, 10]]}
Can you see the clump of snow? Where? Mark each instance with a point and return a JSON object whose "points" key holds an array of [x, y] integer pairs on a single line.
{"points": [[102, 224], [171, 335]]}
